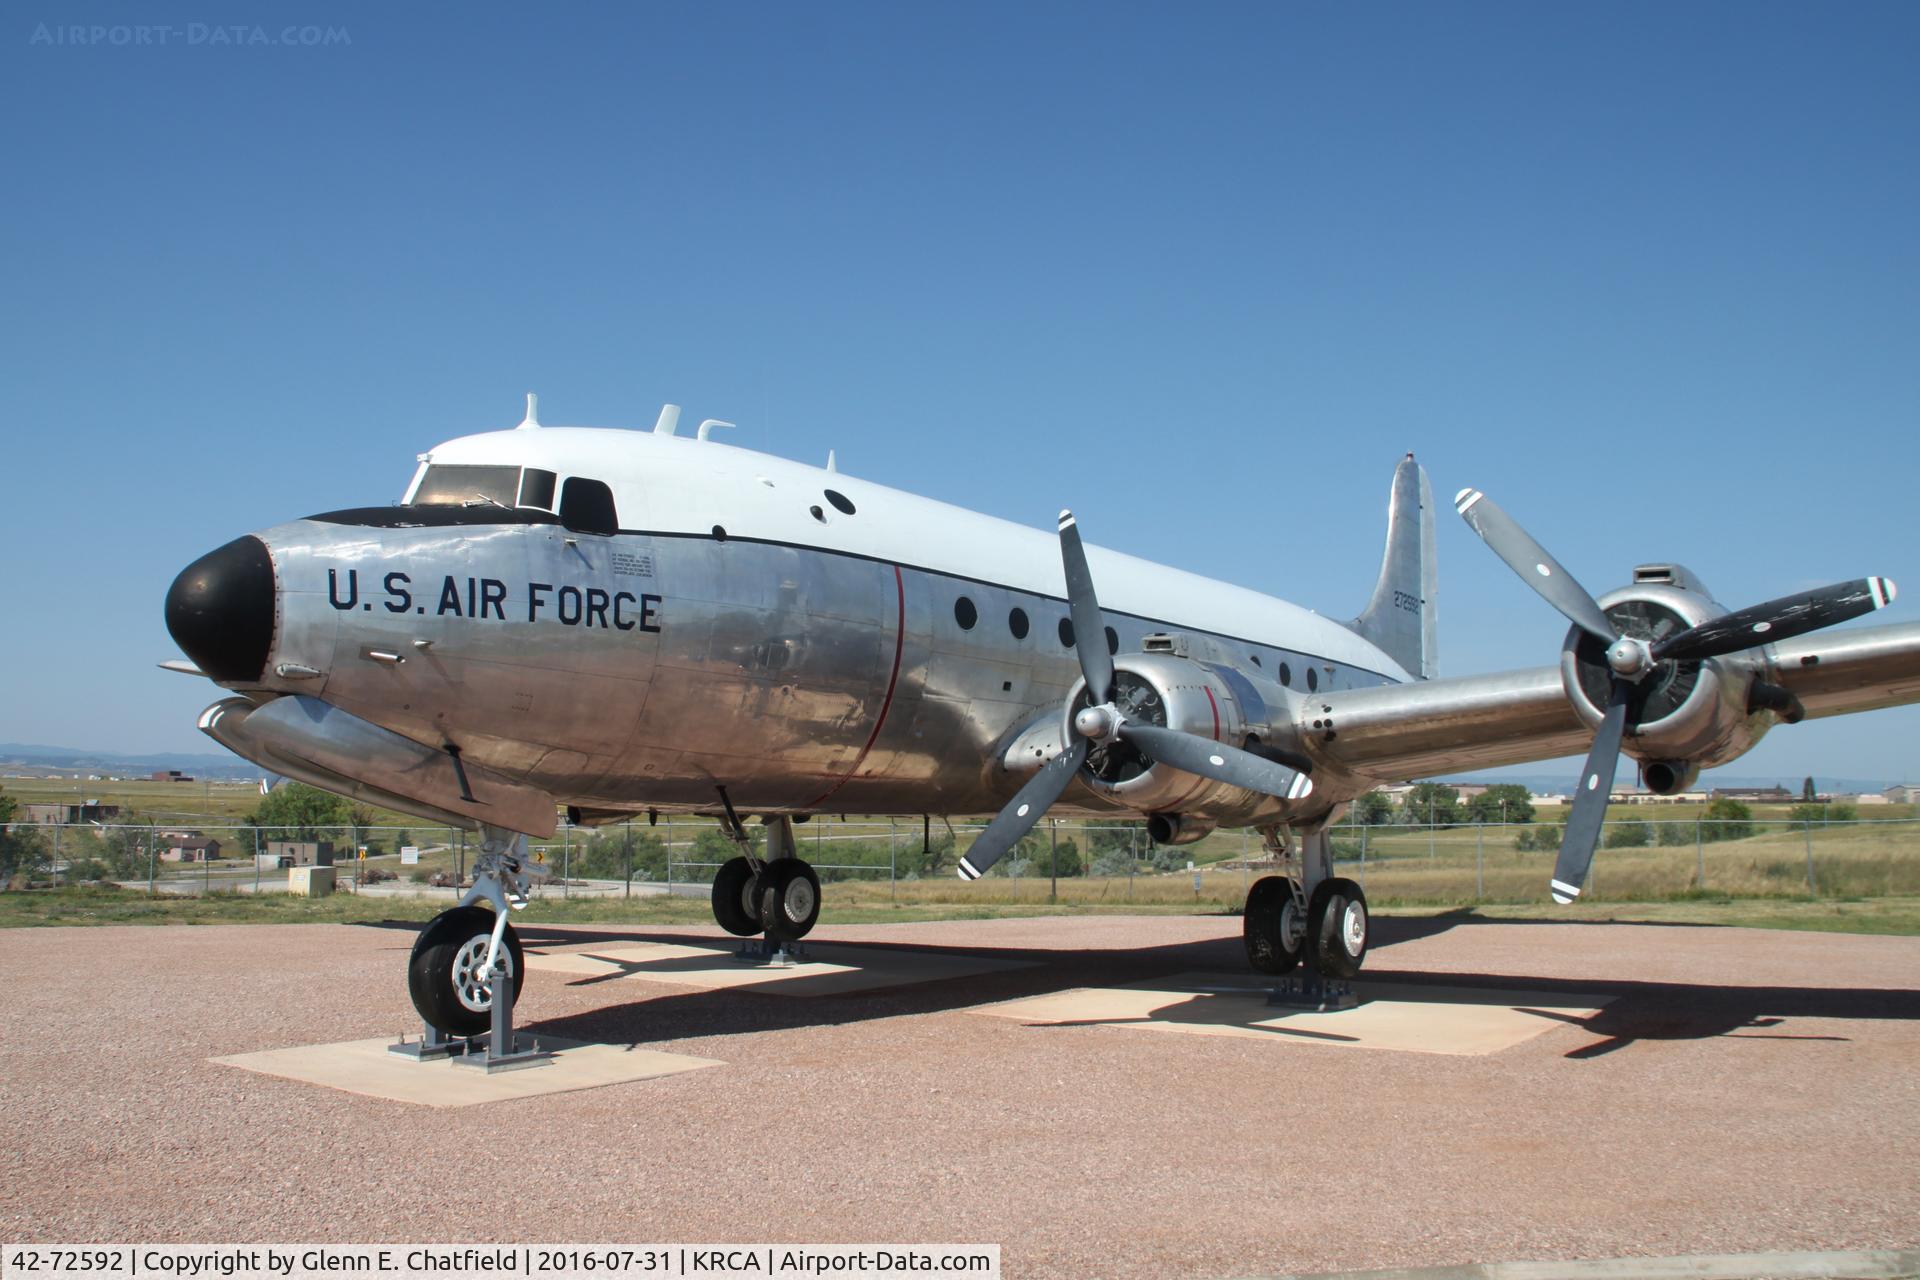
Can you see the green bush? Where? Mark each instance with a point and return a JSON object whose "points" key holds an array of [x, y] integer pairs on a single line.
{"points": [[1634, 833]]}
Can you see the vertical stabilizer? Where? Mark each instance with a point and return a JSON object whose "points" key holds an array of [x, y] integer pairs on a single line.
{"points": [[1400, 619]]}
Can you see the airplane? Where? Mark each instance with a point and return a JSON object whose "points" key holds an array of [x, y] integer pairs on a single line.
{"points": [[617, 622]]}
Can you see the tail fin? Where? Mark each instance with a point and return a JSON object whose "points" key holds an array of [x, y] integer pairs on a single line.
{"points": [[1400, 619]]}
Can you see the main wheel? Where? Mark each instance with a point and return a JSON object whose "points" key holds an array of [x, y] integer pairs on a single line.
{"points": [[789, 899], [736, 898], [1337, 928], [1272, 926], [442, 971]]}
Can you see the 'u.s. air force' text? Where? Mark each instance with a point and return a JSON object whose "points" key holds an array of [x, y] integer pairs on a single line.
{"points": [[485, 598]]}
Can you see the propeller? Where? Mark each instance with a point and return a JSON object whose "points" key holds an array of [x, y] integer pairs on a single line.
{"points": [[1101, 722], [1632, 659]]}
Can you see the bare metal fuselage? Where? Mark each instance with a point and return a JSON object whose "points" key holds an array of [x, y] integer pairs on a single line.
{"points": [[639, 671]]}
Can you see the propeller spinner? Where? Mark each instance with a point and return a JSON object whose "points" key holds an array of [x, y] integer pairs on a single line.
{"points": [[1631, 659], [1103, 721]]}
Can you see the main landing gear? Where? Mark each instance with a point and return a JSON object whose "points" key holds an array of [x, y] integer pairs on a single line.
{"points": [[777, 896], [467, 966], [1307, 914]]}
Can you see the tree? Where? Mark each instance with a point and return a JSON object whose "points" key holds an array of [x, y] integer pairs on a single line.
{"points": [[1373, 809], [1430, 802], [1634, 833], [1506, 802], [1807, 792], [1066, 858], [1727, 819], [1811, 812], [1545, 838], [615, 852], [1122, 836], [296, 811]]}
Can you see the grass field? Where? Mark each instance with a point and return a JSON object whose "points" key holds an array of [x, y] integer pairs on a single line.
{"points": [[89, 905]]}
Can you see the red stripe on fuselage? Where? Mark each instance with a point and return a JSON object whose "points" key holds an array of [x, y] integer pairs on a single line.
{"points": [[886, 704]]}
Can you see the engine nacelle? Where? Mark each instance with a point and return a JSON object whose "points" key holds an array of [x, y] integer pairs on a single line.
{"points": [[1179, 828], [1686, 714], [1669, 777], [1208, 699]]}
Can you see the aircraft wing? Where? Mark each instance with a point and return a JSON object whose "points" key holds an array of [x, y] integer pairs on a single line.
{"points": [[1834, 673], [1419, 730]]}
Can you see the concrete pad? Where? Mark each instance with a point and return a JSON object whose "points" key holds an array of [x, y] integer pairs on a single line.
{"points": [[828, 969], [365, 1067], [1413, 1019]]}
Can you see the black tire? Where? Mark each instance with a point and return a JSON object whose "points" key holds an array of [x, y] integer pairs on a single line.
{"points": [[443, 953], [1267, 926], [789, 899], [736, 898], [1338, 928]]}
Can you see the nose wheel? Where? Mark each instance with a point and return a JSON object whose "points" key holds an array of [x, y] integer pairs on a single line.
{"points": [[447, 973]]}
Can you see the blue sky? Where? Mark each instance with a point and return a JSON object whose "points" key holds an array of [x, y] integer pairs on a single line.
{"points": [[1646, 273]]}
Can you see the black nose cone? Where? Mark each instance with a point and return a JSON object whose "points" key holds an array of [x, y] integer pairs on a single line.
{"points": [[220, 610]]}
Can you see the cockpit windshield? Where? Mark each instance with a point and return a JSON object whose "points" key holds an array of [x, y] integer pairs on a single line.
{"points": [[451, 485]]}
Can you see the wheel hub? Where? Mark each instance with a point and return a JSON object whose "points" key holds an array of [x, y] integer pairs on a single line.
{"points": [[475, 992], [1353, 928], [799, 899]]}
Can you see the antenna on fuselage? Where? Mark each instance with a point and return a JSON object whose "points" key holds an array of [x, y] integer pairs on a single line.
{"points": [[709, 425], [830, 463], [532, 421], [668, 421]]}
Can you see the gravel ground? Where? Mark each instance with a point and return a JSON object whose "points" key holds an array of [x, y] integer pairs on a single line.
{"points": [[1743, 1091]]}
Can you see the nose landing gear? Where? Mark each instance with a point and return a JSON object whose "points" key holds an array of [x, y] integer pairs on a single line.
{"points": [[467, 966]]}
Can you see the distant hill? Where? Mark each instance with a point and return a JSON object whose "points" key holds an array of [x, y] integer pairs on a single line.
{"points": [[223, 764]]}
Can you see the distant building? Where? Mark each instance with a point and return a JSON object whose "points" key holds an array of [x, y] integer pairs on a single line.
{"points": [[191, 849], [1905, 793], [169, 775], [59, 814], [301, 853], [1756, 795], [1634, 795]]}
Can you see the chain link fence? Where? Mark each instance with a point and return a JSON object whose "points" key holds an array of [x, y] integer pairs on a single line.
{"points": [[906, 860]]}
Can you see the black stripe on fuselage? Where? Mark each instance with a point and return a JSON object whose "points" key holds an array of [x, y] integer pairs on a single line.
{"points": [[450, 516]]}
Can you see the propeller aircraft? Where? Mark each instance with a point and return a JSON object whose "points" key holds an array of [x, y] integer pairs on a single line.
{"points": [[614, 623]]}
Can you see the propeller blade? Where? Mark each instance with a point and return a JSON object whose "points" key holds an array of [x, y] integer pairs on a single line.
{"points": [[1590, 800], [1024, 810], [1536, 568], [1781, 619], [1217, 760], [1089, 631]]}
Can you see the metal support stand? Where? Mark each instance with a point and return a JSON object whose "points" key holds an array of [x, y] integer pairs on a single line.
{"points": [[501, 1051], [1313, 992], [434, 1045], [769, 954]]}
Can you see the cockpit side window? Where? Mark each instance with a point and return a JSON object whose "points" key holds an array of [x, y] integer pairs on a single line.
{"points": [[536, 488], [448, 485], [586, 506]]}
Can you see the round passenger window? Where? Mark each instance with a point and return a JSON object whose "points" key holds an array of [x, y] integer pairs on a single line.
{"points": [[1286, 675], [841, 502], [1017, 623], [1313, 680], [965, 614], [1066, 632]]}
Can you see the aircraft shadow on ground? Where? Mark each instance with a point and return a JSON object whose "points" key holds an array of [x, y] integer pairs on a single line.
{"points": [[1635, 1011]]}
